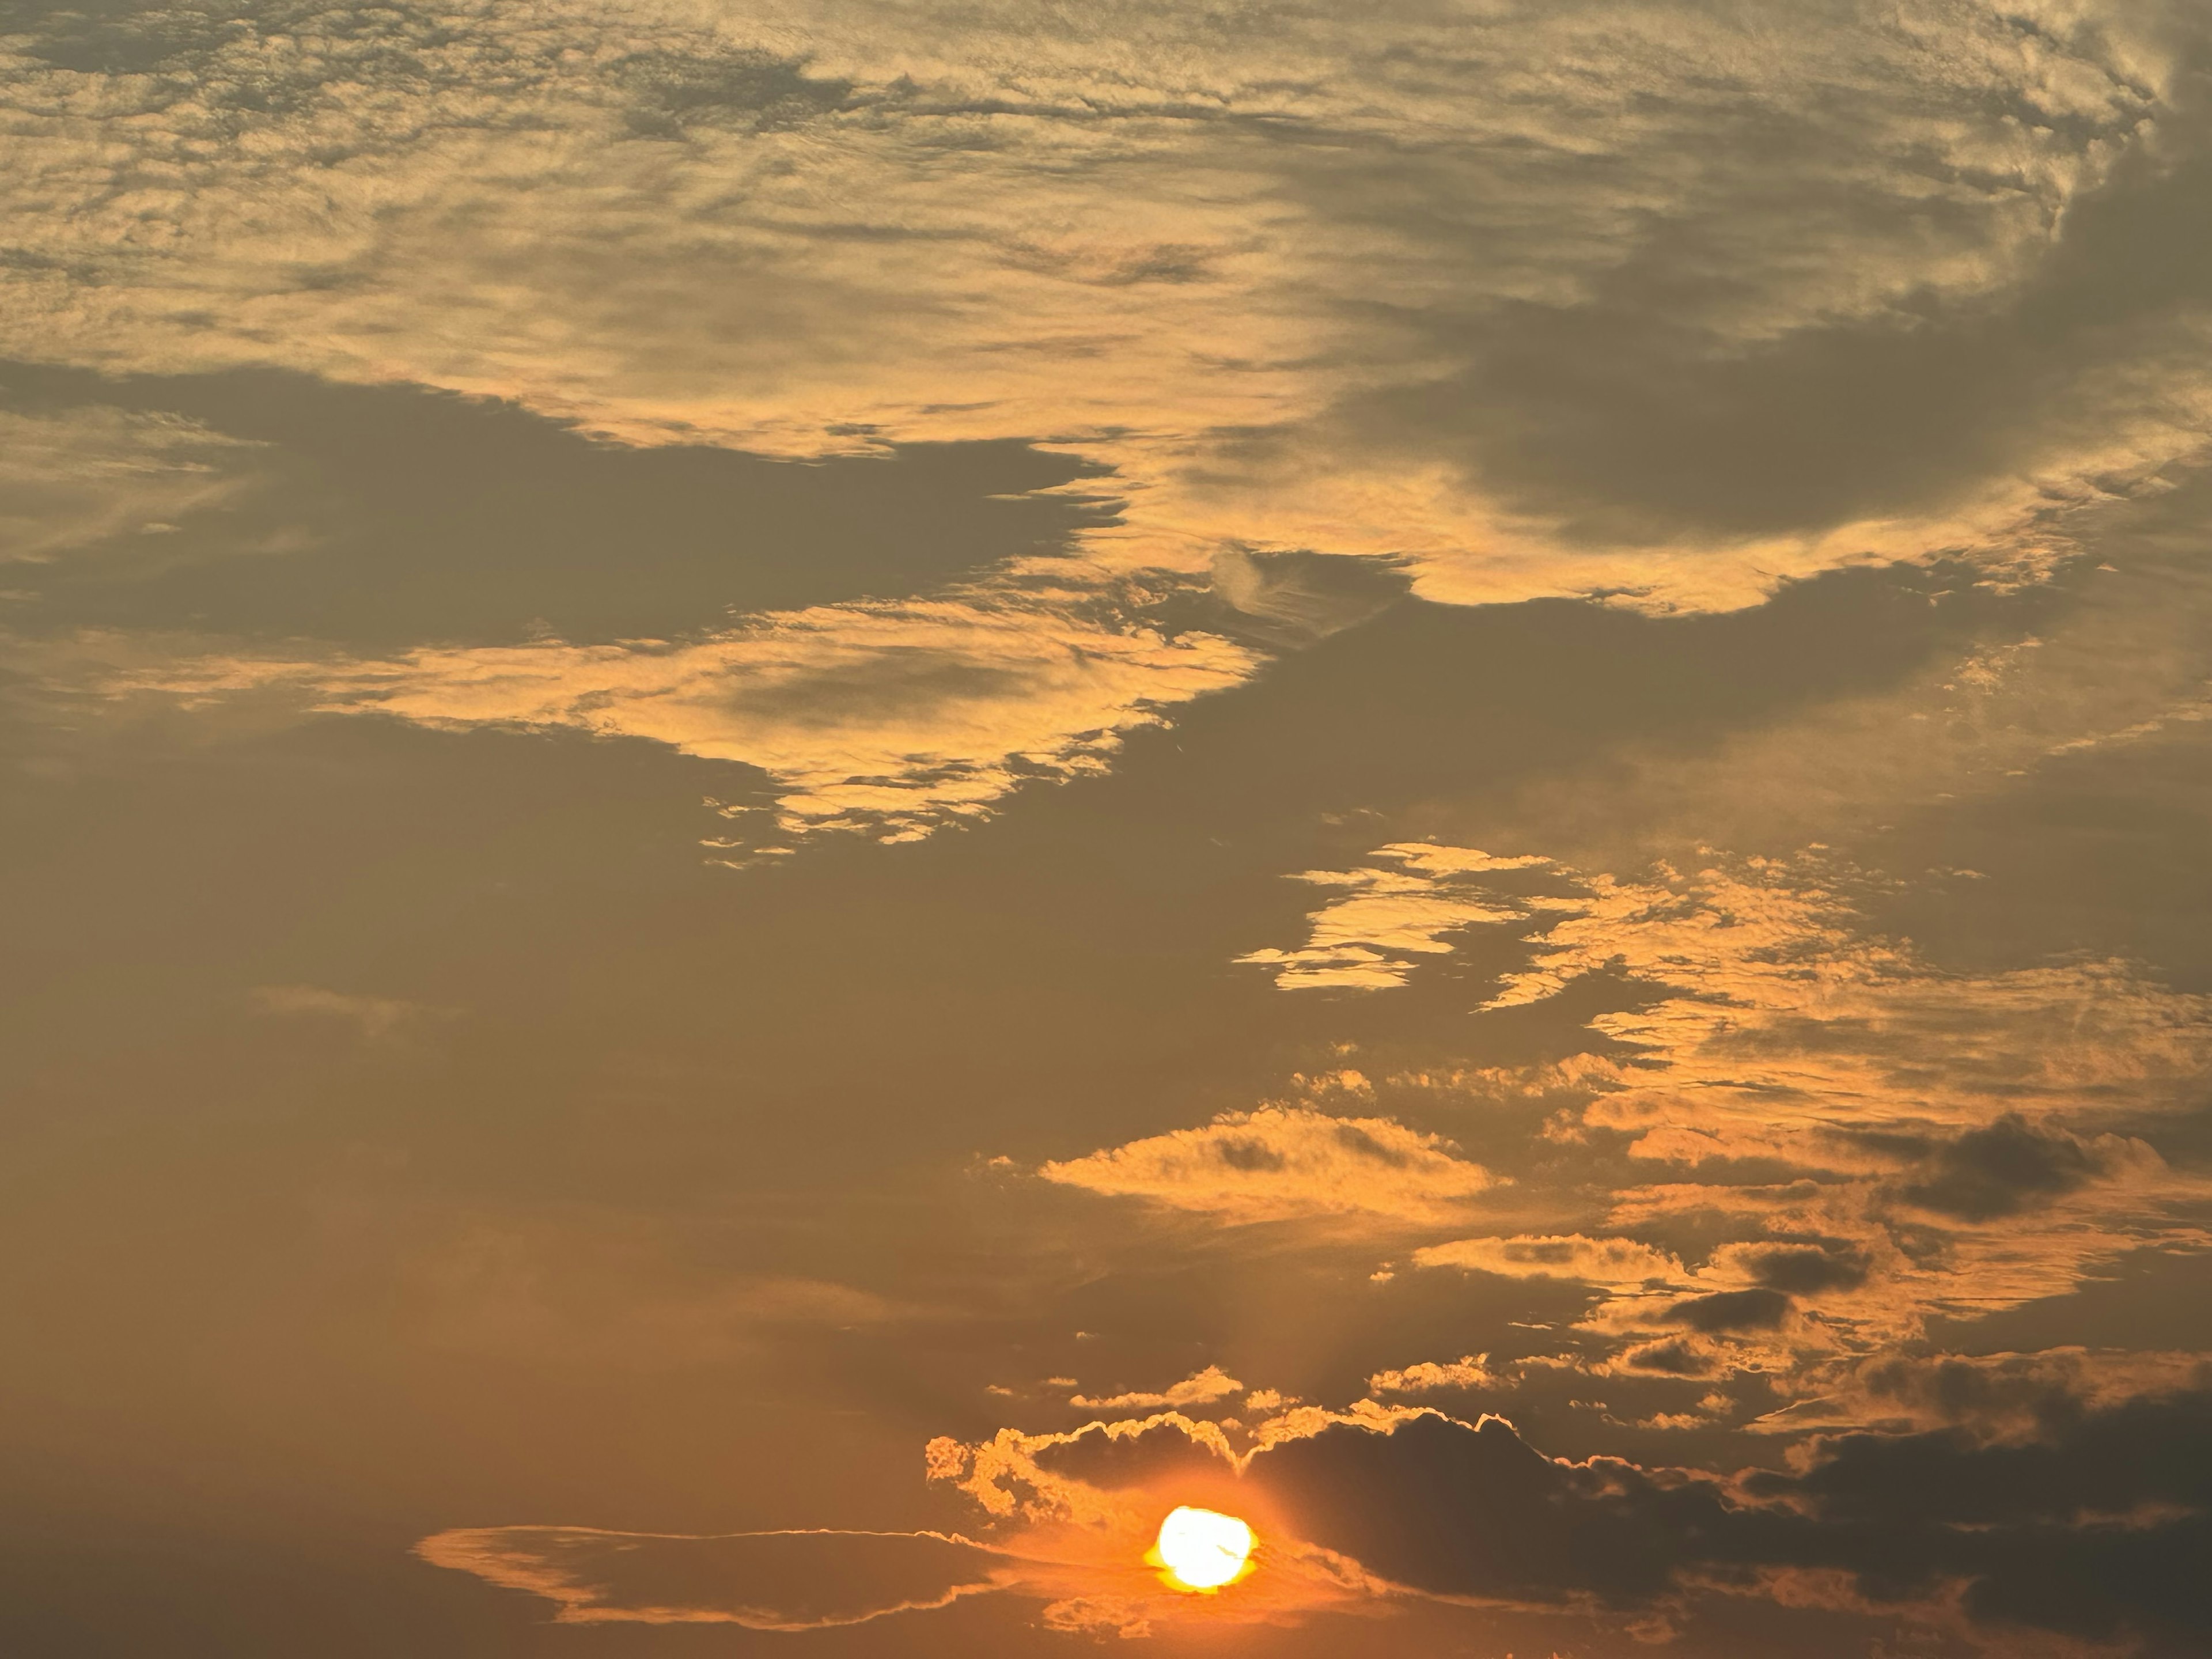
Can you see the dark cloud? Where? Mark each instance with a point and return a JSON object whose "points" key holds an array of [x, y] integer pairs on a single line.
{"points": [[1460, 1510], [2001, 1170], [2098, 1531], [1669, 1360], [750, 90], [1628, 414], [1156, 1456], [1808, 1269], [1757, 1310]]}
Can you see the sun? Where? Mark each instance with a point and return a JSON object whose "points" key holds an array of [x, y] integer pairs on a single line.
{"points": [[1201, 1550]]}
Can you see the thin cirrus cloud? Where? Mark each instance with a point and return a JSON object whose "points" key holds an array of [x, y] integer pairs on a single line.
{"points": [[372, 1017], [1494, 268], [768, 1581], [72, 477], [2009, 1398], [1777, 996]]}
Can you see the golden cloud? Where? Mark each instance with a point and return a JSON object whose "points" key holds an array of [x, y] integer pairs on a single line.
{"points": [[888, 718], [1280, 1162], [1622, 1262], [1468, 1371], [1200, 1388], [1408, 904], [1907, 1104], [826, 222]]}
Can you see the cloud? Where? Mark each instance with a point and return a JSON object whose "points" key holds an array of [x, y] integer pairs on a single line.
{"points": [[1200, 1388], [1593, 1261], [2003, 1170], [74, 477], [603, 1289], [1078, 1549], [1281, 1162], [1869, 1141], [768, 1581], [2011, 1397], [514, 527], [1928, 1527], [2085, 1527], [1408, 905], [1506, 292], [889, 717], [374, 1017], [1429, 1376], [2077, 1531]]}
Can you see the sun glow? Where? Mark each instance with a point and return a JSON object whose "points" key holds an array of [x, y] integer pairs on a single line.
{"points": [[1201, 1550]]}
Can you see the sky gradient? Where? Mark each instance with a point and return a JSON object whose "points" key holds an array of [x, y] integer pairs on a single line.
{"points": [[803, 801]]}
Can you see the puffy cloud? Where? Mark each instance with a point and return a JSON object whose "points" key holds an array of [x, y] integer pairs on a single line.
{"points": [[1429, 1376], [1282, 1162], [1200, 1388]]}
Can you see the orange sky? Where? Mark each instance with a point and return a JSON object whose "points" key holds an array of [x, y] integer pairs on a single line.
{"points": [[804, 800]]}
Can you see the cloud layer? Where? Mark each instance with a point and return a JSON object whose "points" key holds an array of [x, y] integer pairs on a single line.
{"points": [[1537, 282]]}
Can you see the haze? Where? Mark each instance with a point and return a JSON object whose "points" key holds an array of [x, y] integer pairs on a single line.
{"points": [[804, 801]]}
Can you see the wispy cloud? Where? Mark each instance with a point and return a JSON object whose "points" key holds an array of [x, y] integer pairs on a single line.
{"points": [[888, 718], [768, 1581], [1868, 1141], [1281, 1162], [372, 1017], [1406, 905], [72, 477]]}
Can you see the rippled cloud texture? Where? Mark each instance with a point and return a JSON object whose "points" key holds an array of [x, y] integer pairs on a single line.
{"points": [[807, 800]]}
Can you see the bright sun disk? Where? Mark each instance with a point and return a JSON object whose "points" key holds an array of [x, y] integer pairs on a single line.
{"points": [[1202, 1549]]}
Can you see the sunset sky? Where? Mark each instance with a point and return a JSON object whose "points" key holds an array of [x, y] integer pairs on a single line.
{"points": [[805, 800]]}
